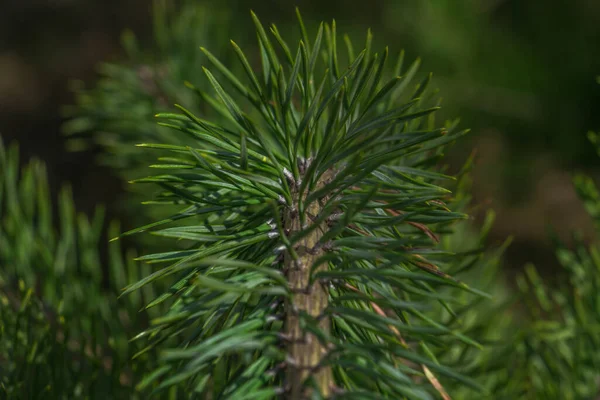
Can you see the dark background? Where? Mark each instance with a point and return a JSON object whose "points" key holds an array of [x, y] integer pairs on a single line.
{"points": [[520, 73]]}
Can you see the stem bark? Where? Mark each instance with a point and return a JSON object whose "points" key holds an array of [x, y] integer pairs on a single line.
{"points": [[304, 349]]}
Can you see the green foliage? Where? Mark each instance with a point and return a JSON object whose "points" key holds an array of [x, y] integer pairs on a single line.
{"points": [[319, 246], [542, 342], [118, 112], [548, 346], [64, 332], [321, 169], [559, 351]]}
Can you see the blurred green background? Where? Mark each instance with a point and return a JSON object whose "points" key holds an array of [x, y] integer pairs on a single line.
{"points": [[520, 73]]}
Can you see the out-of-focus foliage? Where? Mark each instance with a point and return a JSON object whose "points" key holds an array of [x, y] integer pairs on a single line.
{"points": [[505, 54], [117, 113], [542, 342], [63, 332], [557, 355]]}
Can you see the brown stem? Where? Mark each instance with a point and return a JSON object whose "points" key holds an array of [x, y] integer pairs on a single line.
{"points": [[305, 352]]}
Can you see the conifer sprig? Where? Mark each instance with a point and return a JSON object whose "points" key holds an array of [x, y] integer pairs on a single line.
{"points": [[311, 215]]}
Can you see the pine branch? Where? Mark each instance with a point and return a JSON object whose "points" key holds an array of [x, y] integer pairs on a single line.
{"points": [[316, 176]]}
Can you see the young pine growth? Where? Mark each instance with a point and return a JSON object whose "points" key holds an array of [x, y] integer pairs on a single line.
{"points": [[307, 240]]}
